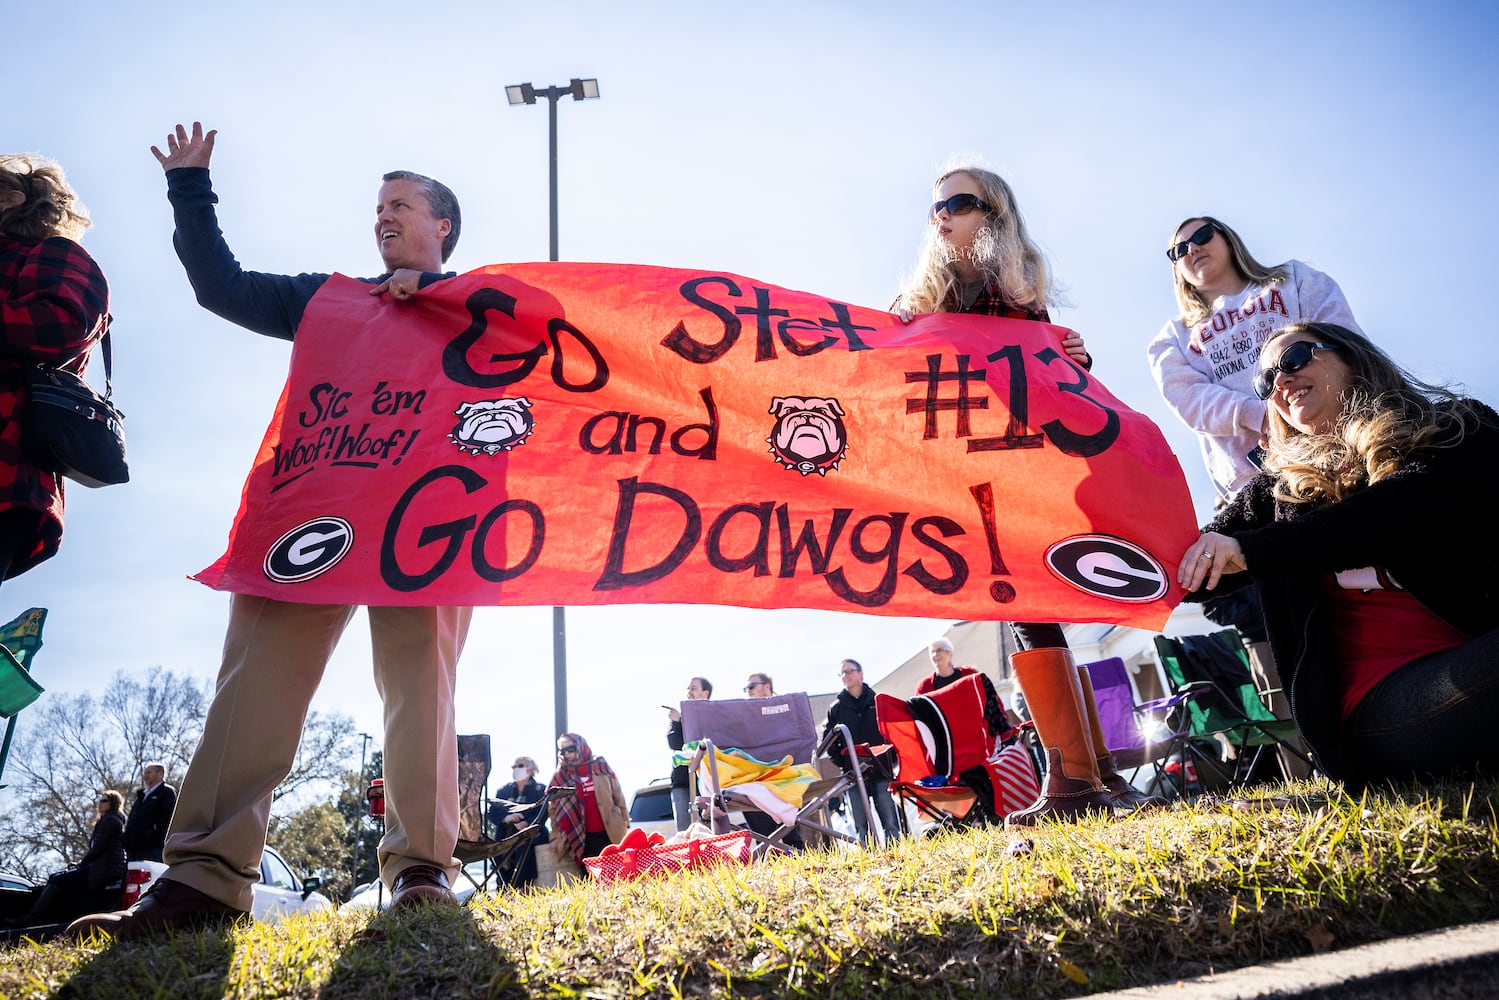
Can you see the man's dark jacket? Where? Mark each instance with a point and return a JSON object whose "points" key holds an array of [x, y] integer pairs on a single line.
{"points": [[146, 827]]}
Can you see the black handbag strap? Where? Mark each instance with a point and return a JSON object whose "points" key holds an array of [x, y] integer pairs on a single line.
{"points": [[108, 360]]}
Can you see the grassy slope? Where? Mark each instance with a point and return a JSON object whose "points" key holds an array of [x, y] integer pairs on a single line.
{"points": [[1092, 906]]}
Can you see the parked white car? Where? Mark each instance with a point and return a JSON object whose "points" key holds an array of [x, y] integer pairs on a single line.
{"points": [[650, 809], [279, 892]]}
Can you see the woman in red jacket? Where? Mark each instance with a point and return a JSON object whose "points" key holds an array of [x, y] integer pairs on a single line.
{"points": [[54, 307]]}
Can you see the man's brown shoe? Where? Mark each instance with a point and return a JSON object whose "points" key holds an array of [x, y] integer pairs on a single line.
{"points": [[166, 906], [421, 884]]}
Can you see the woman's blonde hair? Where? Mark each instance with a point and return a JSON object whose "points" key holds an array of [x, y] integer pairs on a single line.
{"points": [[1194, 305], [50, 207], [1007, 258], [1386, 415]]}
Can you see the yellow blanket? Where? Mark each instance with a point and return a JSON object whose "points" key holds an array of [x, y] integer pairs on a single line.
{"points": [[787, 781]]}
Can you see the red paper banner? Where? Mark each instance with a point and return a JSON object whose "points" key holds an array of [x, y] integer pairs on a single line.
{"points": [[541, 434]]}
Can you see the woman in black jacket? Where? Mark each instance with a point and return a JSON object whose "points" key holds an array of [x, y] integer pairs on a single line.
{"points": [[508, 814], [1367, 535], [97, 881]]}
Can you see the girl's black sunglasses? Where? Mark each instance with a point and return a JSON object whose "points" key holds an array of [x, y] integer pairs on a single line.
{"points": [[959, 204], [1200, 237], [1292, 359]]}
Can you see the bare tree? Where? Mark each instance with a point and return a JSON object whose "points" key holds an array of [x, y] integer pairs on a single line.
{"points": [[323, 755], [70, 747]]}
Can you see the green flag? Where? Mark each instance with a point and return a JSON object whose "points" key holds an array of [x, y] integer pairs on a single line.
{"points": [[22, 635], [19, 640]]}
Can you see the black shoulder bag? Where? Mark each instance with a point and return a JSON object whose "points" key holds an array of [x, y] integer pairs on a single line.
{"points": [[69, 429]]}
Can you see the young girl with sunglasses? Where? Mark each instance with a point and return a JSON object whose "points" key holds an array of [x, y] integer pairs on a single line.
{"points": [[978, 258], [1204, 360], [1366, 534]]}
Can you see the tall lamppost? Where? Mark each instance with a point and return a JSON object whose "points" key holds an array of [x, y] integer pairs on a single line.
{"points": [[524, 93], [359, 822]]}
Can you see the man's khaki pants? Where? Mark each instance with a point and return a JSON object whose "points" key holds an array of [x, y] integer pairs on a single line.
{"points": [[274, 656]]}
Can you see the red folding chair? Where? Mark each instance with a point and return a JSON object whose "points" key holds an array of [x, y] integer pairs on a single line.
{"points": [[942, 735]]}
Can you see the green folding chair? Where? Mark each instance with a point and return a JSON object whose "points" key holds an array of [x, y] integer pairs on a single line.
{"points": [[19, 640], [1231, 712]]}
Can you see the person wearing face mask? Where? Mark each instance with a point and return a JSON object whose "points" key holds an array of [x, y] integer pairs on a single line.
{"points": [[508, 813], [978, 258], [1379, 593]]}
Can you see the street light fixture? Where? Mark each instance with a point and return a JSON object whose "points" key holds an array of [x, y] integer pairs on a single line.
{"points": [[524, 93]]}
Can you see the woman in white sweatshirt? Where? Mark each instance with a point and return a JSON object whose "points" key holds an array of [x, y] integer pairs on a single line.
{"points": [[1204, 361]]}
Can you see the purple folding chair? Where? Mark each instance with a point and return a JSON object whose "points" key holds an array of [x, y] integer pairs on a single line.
{"points": [[1128, 727], [767, 729]]}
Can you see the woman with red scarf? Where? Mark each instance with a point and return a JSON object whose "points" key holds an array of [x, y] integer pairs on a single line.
{"points": [[593, 814]]}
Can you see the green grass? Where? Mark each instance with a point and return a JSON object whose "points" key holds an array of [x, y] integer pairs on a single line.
{"points": [[1091, 906]]}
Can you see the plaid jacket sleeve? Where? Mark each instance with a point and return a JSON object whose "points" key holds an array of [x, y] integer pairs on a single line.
{"points": [[54, 306]]}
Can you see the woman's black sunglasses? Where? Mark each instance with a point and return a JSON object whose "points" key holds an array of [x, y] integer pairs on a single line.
{"points": [[959, 204], [1292, 359], [1200, 237]]}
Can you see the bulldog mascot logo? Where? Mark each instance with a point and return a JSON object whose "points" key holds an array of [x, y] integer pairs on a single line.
{"points": [[809, 434], [493, 425]]}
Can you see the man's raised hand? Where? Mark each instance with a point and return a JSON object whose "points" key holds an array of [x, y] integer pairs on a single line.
{"points": [[184, 150]]}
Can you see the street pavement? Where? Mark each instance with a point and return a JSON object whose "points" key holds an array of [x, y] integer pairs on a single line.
{"points": [[1460, 962]]}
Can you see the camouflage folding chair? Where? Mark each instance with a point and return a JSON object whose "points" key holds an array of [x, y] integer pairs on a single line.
{"points": [[19, 640], [474, 841]]}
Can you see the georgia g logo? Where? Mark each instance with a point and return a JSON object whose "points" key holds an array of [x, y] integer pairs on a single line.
{"points": [[1108, 567], [309, 549]]}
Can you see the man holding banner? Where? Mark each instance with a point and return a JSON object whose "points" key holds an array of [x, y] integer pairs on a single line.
{"points": [[275, 651]]}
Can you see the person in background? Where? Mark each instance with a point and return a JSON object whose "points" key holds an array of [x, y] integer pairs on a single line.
{"points": [[945, 672], [1204, 363], [54, 307], [854, 708], [1365, 535], [98, 878], [593, 814], [146, 827], [759, 685], [698, 689], [508, 815]]}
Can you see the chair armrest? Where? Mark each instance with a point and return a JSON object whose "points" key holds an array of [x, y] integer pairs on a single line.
{"points": [[1016, 731], [1168, 703]]}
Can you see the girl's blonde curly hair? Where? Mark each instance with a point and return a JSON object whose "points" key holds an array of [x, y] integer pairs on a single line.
{"points": [[49, 206]]}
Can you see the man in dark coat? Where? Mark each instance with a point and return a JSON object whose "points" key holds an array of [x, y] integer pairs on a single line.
{"points": [[146, 828], [854, 708]]}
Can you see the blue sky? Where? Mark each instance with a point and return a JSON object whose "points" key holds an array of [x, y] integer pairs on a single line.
{"points": [[792, 142]]}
